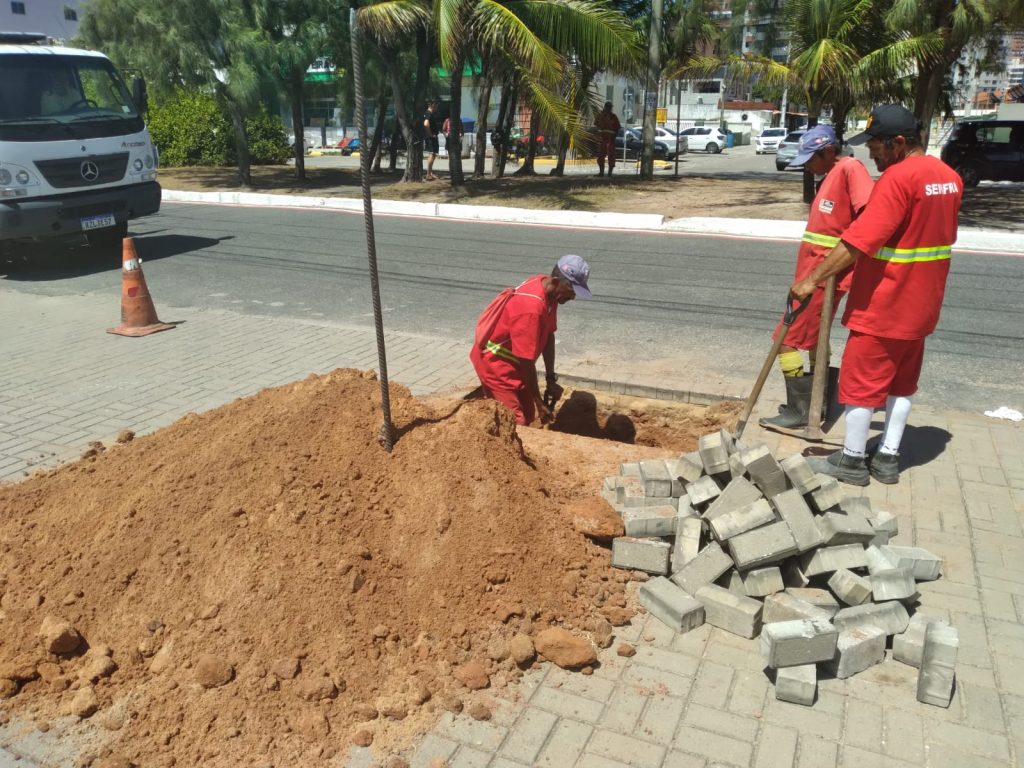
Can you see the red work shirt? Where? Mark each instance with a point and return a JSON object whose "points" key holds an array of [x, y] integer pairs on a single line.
{"points": [[843, 194], [526, 323], [907, 233]]}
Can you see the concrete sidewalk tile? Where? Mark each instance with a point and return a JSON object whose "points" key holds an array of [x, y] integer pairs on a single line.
{"points": [[811, 722], [567, 704], [854, 757], [814, 752], [904, 735], [589, 686], [712, 684], [708, 719], [565, 744], [776, 748], [624, 709], [626, 749], [467, 757], [669, 661], [968, 740], [982, 707], [660, 719], [683, 760], [430, 748], [466, 730], [713, 746], [528, 735], [948, 757], [864, 726], [694, 642], [590, 760], [647, 680], [749, 693]]}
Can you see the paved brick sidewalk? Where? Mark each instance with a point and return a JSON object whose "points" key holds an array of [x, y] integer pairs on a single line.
{"points": [[699, 699]]}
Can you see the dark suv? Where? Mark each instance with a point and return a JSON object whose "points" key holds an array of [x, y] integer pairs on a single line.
{"points": [[986, 149]]}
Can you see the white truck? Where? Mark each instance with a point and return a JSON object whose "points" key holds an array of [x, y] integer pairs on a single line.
{"points": [[75, 156]]}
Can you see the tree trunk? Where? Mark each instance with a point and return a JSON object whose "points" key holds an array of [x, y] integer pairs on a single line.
{"points": [[531, 146], [453, 141], [506, 129], [497, 165], [414, 153], [241, 144], [930, 74], [393, 149], [813, 110], [295, 92], [482, 109], [413, 143], [378, 129], [563, 138]]}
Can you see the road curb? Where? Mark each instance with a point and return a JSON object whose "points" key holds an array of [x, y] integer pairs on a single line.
{"points": [[969, 238]]}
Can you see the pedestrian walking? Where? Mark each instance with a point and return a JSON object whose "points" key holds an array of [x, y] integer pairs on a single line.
{"points": [[900, 245], [608, 125], [518, 327], [842, 194], [430, 143]]}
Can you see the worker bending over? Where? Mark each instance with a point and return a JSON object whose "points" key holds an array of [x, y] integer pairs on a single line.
{"points": [[517, 328], [841, 196], [901, 246]]}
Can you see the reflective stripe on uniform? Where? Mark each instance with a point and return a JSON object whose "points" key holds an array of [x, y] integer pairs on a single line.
{"points": [[815, 238], [908, 255], [499, 351]]}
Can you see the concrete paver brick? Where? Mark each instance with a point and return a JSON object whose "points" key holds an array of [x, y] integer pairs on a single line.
{"points": [[819, 598], [801, 476], [710, 563], [667, 601], [830, 559], [817, 753], [624, 710], [739, 520], [626, 749], [967, 740], [429, 749], [714, 452], [567, 705], [686, 544], [648, 679], [891, 616], [925, 565], [528, 735], [793, 510], [683, 760], [776, 748], [812, 722], [565, 744], [749, 692], [464, 729], [590, 686], [855, 757], [849, 528], [763, 470], [650, 520], [798, 643], [761, 582], [709, 719], [715, 747], [762, 546], [738, 493], [660, 719], [702, 491], [857, 649], [467, 757], [827, 495], [904, 734], [734, 613], [893, 584], [689, 467], [849, 587], [650, 555], [656, 478], [938, 664], [797, 684], [784, 607]]}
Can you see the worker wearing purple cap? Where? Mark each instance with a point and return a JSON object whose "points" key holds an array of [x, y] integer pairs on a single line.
{"points": [[841, 196], [519, 326]]}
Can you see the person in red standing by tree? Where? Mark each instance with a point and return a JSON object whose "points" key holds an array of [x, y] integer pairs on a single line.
{"points": [[608, 125]]}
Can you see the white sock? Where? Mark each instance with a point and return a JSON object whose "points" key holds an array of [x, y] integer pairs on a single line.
{"points": [[858, 422], [897, 411]]}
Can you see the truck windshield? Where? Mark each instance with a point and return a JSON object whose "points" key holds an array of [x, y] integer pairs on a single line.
{"points": [[53, 97]]}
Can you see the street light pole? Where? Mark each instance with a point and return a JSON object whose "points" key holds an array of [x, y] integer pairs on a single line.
{"points": [[387, 430]]}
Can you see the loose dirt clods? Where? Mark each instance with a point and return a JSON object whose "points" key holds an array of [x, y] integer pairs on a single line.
{"points": [[263, 583]]}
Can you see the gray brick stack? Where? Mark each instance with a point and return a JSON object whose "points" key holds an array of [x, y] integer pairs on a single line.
{"points": [[760, 547]]}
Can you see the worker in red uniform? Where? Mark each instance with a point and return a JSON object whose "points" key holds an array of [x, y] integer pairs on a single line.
{"points": [[901, 246], [608, 125], [523, 330], [841, 196]]}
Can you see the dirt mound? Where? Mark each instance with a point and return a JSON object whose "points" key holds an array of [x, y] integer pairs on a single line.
{"points": [[262, 584]]}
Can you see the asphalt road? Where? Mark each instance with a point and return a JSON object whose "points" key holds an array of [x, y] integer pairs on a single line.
{"points": [[695, 311]]}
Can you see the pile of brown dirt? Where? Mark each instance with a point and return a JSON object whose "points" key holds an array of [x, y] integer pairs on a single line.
{"points": [[269, 581], [263, 585]]}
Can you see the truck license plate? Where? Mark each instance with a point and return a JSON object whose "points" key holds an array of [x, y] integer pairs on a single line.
{"points": [[98, 222]]}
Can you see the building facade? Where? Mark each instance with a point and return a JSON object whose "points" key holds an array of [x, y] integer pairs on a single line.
{"points": [[57, 19]]}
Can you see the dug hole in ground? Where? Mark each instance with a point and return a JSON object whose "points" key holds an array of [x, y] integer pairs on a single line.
{"points": [[263, 585]]}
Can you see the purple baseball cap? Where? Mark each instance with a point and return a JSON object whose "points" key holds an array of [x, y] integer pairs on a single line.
{"points": [[818, 137], [576, 271]]}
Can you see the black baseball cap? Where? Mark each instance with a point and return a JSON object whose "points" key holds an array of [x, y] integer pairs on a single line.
{"points": [[888, 120]]}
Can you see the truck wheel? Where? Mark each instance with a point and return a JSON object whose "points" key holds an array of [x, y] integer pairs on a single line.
{"points": [[108, 239]]}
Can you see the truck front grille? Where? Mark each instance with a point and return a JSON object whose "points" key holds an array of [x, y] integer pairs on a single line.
{"points": [[84, 171]]}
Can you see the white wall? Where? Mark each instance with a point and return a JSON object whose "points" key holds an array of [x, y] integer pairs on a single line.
{"points": [[44, 16]]}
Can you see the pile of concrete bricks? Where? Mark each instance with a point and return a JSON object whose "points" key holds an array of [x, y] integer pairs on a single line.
{"points": [[761, 547]]}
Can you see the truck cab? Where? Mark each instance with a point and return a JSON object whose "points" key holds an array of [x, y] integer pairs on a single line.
{"points": [[75, 156]]}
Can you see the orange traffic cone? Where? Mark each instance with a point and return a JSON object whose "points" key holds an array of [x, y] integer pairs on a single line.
{"points": [[138, 315]]}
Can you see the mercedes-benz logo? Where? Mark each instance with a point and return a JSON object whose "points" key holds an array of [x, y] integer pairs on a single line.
{"points": [[89, 170]]}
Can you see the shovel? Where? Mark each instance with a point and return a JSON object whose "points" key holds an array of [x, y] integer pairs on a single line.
{"points": [[791, 314]]}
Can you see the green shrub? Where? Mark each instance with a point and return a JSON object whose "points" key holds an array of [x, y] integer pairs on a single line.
{"points": [[193, 129]]}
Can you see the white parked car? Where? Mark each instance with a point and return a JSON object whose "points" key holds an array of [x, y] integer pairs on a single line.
{"points": [[769, 140], [671, 138], [704, 138]]}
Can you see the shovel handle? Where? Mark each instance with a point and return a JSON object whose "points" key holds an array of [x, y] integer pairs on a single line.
{"points": [[790, 315]]}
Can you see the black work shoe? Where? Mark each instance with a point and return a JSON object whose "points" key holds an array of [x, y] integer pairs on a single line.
{"points": [[846, 469], [884, 467]]}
